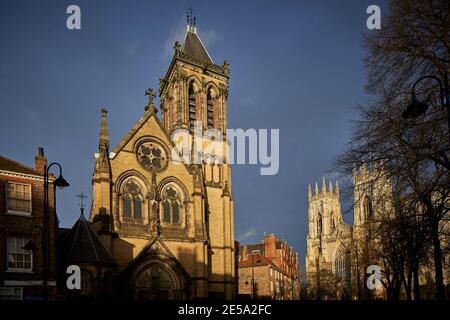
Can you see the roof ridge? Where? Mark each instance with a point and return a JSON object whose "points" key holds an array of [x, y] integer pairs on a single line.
{"points": [[20, 164], [90, 238], [74, 238]]}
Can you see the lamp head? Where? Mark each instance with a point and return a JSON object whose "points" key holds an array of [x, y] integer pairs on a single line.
{"points": [[30, 246], [415, 109], [60, 182]]}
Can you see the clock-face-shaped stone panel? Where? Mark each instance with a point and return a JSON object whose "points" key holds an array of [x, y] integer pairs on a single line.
{"points": [[152, 156]]}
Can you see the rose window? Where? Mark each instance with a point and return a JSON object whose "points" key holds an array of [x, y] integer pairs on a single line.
{"points": [[152, 156]]}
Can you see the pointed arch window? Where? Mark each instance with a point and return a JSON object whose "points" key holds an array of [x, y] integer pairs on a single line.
{"points": [[171, 206], [132, 202], [368, 208], [192, 106], [319, 224], [210, 108], [342, 265], [332, 223]]}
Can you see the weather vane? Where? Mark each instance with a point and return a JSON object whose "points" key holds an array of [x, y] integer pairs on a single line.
{"points": [[191, 20], [82, 197]]}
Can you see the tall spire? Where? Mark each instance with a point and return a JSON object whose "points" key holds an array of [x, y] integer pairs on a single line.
{"points": [[192, 45], [316, 189], [330, 187], [324, 187], [104, 136], [309, 191], [102, 161], [337, 187]]}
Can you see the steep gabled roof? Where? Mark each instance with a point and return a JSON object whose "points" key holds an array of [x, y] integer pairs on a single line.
{"points": [[81, 244], [14, 166], [193, 46]]}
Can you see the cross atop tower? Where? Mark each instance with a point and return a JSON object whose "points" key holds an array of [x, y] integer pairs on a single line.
{"points": [[82, 197], [191, 20]]}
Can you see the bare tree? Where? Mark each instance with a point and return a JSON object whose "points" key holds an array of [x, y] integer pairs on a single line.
{"points": [[414, 41]]}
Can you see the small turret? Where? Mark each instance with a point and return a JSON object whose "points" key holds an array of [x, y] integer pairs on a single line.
{"points": [[324, 187]]}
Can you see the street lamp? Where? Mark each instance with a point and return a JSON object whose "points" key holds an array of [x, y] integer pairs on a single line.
{"points": [[61, 183], [253, 284], [417, 108]]}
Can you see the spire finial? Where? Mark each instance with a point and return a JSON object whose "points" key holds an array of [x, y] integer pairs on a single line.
{"points": [[316, 189], [82, 197], [191, 20], [324, 188], [309, 191], [337, 187], [330, 187], [104, 136]]}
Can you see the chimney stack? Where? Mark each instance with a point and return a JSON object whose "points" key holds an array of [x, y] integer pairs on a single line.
{"points": [[40, 161]]}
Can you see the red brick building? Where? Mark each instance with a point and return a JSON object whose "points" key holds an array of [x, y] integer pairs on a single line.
{"points": [[268, 270], [21, 217]]}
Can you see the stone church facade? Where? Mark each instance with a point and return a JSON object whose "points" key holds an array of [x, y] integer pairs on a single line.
{"points": [[168, 225]]}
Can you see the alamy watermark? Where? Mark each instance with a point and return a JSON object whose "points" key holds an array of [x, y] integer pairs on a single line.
{"points": [[212, 147]]}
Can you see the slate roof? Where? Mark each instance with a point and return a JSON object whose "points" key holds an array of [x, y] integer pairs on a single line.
{"points": [[14, 166], [81, 244], [193, 46]]}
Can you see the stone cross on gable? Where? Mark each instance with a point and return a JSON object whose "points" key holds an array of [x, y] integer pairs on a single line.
{"points": [[150, 93]]}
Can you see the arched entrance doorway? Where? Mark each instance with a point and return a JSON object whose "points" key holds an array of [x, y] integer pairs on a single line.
{"points": [[157, 281]]}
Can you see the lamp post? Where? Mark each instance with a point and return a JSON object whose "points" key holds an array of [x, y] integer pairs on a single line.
{"points": [[61, 183], [417, 108]]}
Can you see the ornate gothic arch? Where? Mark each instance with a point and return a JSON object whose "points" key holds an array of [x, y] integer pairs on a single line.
{"points": [[127, 174], [157, 274]]}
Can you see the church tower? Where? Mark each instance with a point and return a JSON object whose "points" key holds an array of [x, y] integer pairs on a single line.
{"points": [[327, 256], [372, 194], [194, 93], [169, 225]]}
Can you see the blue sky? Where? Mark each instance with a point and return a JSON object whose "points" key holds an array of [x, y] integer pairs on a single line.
{"points": [[295, 65]]}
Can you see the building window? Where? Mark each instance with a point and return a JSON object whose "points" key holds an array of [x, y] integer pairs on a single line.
{"points": [[192, 107], [368, 209], [319, 224], [210, 109], [132, 202], [11, 293], [255, 251], [19, 198], [171, 206], [127, 206], [342, 265], [166, 211], [18, 258], [332, 224]]}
